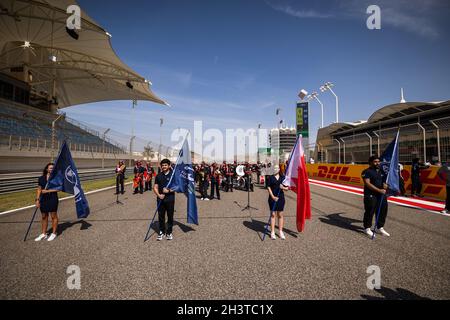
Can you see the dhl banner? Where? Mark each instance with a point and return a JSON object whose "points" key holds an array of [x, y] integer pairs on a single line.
{"points": [[432, 185]]}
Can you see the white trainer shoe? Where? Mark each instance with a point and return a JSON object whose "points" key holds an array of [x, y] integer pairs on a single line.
{"points": [[169, 236], [445, 211], [207, 199], [368, 232], [273, 236], [52, 237], [383, 232], [282, 236], [42, 236]]}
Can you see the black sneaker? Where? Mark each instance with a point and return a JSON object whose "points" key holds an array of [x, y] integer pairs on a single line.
{"points": [[169, 236], [160, 236]]}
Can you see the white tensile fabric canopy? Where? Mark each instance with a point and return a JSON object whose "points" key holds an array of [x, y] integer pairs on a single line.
{"points": [[84, 70]]}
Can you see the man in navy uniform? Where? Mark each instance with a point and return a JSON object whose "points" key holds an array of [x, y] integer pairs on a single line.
{"points": [[374, 189], [165, 200]]}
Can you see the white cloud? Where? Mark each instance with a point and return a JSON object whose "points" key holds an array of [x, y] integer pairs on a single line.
{"points": [[299, 13]]}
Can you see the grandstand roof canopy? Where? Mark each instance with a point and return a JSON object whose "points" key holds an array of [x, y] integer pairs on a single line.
{"points": [[386, 113], [86, 69], [397, 110]]}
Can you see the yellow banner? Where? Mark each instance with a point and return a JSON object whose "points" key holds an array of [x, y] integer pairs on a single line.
{"points": [[432, 185]]}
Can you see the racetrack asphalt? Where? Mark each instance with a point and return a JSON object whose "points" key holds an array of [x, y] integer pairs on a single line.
{"points": [[223, 257]]}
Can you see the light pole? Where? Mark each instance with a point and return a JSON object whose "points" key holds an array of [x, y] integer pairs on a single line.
{"points": [[328, 86], [131, 150], [62, 115], [161, 121], [279, 117], [315, 95], [103, 147], [257, 151]]}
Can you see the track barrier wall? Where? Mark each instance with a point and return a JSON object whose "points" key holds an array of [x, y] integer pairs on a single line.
{"points": [[432, 185]]}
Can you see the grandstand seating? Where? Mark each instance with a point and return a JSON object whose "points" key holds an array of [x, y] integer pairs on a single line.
{"points": [[27, 122]]}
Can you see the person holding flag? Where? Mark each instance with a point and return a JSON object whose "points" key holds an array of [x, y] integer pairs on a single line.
{"points": [[47, 201], [63, 177], [180, 179], [276, 202], [381, 180], [296, 179], [165, 200], [374, 188]]}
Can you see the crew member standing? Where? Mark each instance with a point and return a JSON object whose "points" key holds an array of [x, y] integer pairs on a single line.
{"points": [[416, 185], [165, 200], [444, 174], [148, 176], [120, 177], [215, 181], [374, 189], [138, 178]]}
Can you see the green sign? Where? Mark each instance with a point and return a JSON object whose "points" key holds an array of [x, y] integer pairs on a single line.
{"points": [[302, 119]]}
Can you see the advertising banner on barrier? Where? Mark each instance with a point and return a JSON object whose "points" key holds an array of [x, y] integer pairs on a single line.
{"points": [[432, 185]]}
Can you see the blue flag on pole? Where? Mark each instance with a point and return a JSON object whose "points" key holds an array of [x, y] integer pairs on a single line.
{"points": [[183, 181], [389, 165], [64, 177]]}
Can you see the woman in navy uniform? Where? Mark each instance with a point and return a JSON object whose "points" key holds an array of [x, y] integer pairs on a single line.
{"points": [[47, 201], [276, 201]]}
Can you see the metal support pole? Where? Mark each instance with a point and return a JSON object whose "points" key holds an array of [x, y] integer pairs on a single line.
{"points": [[131, 150], [54, 135], [424, 143], [370, 139], [438, 136], [337, 104], [321, 108], [378, 137], [103, 147], [339, 149], [344, 148]]}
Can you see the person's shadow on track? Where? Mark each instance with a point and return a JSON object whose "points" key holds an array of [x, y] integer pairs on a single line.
{"points": [[260, 228], [390, 294], [335, 219], [66, 225], [183, 227]]}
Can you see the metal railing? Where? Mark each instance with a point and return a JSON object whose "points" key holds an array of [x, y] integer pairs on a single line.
{"points": [[19, 182]]}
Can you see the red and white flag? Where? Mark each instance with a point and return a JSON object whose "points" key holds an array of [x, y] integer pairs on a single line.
{"points": [[297, 180]]}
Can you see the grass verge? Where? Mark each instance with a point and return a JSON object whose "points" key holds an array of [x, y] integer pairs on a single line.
{"points": [[25, 198]]}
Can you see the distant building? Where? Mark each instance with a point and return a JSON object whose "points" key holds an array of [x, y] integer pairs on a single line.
{"points": [[282, 140]]}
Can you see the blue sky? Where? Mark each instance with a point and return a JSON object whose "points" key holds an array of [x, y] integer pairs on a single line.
{"points": [[232, 63]]}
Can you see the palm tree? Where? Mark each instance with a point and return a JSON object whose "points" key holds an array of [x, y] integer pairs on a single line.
{"points": [[148, 151]]}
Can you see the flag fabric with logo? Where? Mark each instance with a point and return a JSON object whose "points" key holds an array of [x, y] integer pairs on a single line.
{"points": [[183, 181], [65, 178], [297, 180], [389, 165]]}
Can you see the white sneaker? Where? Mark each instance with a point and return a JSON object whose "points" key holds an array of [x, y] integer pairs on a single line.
{"points": [[52, 237], [282, 235], [169, 236], [445, 211], [202, 198], [42, 236], [383, 232], [368, 232], [273, 236], [207, 199]]}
